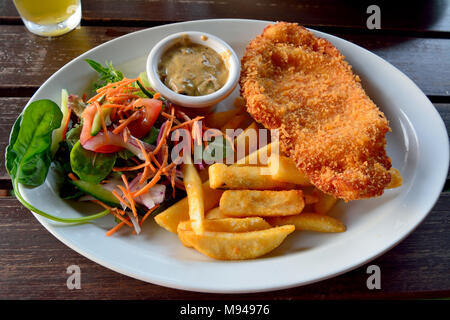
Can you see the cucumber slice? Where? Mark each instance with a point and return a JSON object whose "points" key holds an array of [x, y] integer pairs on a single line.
{"points": [[97, 123], [97, 191], [58, 133], [144, 79]]}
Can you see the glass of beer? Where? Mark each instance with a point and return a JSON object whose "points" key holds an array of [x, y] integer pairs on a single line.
{"points": [[49, 17]]}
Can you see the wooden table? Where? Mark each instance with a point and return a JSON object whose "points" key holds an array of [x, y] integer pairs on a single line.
{"points": [[414, 38]]}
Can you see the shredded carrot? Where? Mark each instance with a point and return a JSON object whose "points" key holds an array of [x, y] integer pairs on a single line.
{"points": [[72, 177], [149, 185], [116, 85], [113, 211], [166, 115], [125, 123], [66, 124], [129, 197], [114, 229], [129, 106], [157, 95], [140, 166], [156, 178], [112, 105], [187, 123], [169, 167], [147, 162], [127, 194], [121, 199], [121, 98], [152, 156], [118, 216], [110, 85], [144, 152], [117, 89], [94, 98], [124, 90], [125, 181], [165, 133], [147, 214], [144, 176]]}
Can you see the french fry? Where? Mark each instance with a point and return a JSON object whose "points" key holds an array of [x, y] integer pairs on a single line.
{"points": [[325, 203], [251, 203], [222, 176], [214, 213], [169, 218], [233, 225], [236, 246], [284, 169], [194, 190], [172, 216], [224, 225], [309, 222], [396, 179]]}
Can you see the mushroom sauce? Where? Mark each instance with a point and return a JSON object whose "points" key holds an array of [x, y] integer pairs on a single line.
{"points": [[192, 69]]}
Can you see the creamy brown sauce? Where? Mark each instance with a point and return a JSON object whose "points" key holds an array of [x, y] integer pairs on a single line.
{"points": [[192, 69]]}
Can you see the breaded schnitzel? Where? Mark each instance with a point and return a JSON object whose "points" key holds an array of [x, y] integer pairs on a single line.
{"points": [[301, 84]]}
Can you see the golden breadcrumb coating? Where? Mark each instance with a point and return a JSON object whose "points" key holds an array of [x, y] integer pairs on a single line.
{"points": [[302, 85]]}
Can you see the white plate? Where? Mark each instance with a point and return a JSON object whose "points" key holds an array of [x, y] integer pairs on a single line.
{"points": [[418, 146]]}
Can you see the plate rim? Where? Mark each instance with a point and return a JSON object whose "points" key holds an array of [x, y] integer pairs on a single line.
{"points": [[367, 257]]}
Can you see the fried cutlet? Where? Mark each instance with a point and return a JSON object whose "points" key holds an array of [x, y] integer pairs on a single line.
{"points": [[302, 85]]}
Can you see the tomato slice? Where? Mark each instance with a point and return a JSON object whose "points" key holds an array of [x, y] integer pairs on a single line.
{"points": [[114, 142], [102, 144], [108, 148], [88, 118], [141, 126]]}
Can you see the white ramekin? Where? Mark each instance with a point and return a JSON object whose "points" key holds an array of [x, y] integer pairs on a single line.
{"points": [[230, 58]]}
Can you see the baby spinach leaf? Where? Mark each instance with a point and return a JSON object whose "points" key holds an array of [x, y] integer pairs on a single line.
{"points": [[73, 136], [62, 166], [91, 166], [28, 155]]}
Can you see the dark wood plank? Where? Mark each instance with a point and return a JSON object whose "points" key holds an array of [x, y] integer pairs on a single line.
{"points": [[33, 266], [26, 61], [11, 107], [411, 16]]}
